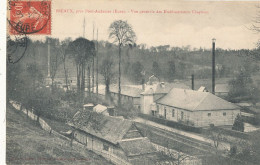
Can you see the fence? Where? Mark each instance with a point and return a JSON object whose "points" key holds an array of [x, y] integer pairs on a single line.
{"points": [[186, 159], [47, 128], [171, 123]]}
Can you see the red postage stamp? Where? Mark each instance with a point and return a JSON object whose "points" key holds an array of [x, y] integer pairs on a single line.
{"points": [[30, 17]]}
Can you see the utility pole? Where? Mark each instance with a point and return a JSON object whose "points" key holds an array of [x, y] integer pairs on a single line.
{"points": [[213, 65], [49, 58], [93, 64], [84, 28], [97, 68], [192, 81]]}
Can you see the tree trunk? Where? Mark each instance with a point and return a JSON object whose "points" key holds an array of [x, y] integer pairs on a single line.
{"points": [[107, 95], [65, 73], [119, 75], [83, 83], [78, 78], [89, 81]]}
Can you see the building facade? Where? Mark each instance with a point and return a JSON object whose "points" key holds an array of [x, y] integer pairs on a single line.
{"points": [[195, 108], [116, 139]]}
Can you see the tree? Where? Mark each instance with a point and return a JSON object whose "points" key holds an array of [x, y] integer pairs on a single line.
{"points": [[242, 87], [107, 72], [122, 34], [156, 69], [136, 72], [82, 50], [171, 70], [55, 61], [63, 51], [238, 124]]}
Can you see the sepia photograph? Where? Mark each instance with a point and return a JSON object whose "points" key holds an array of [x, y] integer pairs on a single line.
{"points": [[148, 82]]}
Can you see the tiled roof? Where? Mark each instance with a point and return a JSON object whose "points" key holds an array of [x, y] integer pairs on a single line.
{"points": [[195, 100], [110, 128], [138, 146]]}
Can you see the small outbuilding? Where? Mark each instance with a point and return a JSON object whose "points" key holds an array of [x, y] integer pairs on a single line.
{"points": [[101, 109]]}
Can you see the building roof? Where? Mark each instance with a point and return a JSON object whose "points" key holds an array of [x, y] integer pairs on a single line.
{"points": [[127, 90], [138, 146], [99, 108], [222, 88], [109, 128], [195, 100], [162, 88], [202, 89]]}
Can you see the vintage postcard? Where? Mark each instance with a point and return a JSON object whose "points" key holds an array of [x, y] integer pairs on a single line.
{"points": [[132, 82]]}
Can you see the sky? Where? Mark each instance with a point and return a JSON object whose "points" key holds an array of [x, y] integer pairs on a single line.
{"points": [[195, 24]]}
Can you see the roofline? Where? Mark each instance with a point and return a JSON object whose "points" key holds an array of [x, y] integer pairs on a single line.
{"points": [[114, 143], [126, 95], [238, 108]]}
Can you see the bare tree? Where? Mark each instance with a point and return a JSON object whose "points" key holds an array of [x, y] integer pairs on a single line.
{"points": [[122, 34], [174, 157]]}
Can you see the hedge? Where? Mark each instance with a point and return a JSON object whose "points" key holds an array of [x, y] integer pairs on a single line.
{"points": [[172, 124]]}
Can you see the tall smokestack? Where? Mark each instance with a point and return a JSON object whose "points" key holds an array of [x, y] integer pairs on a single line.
{"points": [[49, 57], [192, 81], [213, 65]]}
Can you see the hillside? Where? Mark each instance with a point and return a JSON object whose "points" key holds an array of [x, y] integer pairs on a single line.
{"points": [[27, 143]]}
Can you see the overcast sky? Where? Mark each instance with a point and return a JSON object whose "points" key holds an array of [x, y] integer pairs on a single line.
{"points": [[228, 22]]}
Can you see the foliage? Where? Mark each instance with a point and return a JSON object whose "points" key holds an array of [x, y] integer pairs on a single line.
{"points": [[238, 124], [242, 88], [107, 72], [82, 51], [156, 70], [127, 110], [172, 124], [136, 72], [171, 71]]}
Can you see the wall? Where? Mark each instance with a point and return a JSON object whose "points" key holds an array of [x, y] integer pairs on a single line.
{"points": [[146, 101], [96, 145], [217, 118], [199, 118], [177, 113]]}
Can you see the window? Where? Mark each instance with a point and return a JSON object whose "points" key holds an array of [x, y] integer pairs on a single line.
{"points": [[182, 115], [224, 114], [209, 114], [173, 111], [105, 147]]}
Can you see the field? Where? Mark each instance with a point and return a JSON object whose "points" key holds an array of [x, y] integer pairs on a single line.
{"points": [[27, 143]]}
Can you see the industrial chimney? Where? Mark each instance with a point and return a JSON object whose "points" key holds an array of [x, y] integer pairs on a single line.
{"points": [[49, 56], [192, 81], [213, 65]]}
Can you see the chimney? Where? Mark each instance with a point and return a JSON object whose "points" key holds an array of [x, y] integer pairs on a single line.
{"points": [[192, 81], [213, 65], [143, 85], [162, 85], [49, 56]]}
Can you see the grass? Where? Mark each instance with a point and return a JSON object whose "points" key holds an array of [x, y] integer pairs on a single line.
{"points": [[27, 143]]}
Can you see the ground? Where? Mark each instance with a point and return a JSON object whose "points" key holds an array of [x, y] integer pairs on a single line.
{"points": [[27, 143]]}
